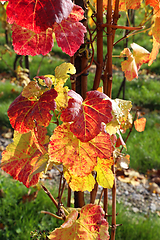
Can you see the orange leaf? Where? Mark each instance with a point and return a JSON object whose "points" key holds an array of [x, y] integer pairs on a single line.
{"points": [[90, 225], [155, 4], [23, 160], [133, 63], [140, 124], [155, 51], [78, 157]]}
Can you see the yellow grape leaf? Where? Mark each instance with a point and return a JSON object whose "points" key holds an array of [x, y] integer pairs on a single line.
{"points": [[32, 90], [112, 127], [62, 98], [78, 157], [133, 63], [155, 51], [90, 225], [64, 71], [105, 177], [80, 183], [140, 124], [140, 54], [129, 66]]}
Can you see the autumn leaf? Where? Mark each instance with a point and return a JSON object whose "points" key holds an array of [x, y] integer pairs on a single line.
{"points": [[27, 42], [87, 116], [125, 5], [155, 5], [64, 71], [23, 113], [155, 51], [69, 35], [78, 157], [90, 225], [38, 15], [80, 183], [122, 119], [23, 160], [132, 65], [129, 66], [140, 124], [105, 177]]}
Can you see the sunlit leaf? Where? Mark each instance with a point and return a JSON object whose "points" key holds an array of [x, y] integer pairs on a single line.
{"points": [[129, 66], [140, 54], [133, 63], [23, 113], [78, 157], [69, 35], [105, 177], [64, 71], [27, 42], [23, 160], [88, 115], [38, 15], [156, 5], [32, 90], [80, 183], [155, 51], [140, 124], [90, 225]]}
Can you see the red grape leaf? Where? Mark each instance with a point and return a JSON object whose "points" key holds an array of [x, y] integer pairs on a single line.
{"points": [[69, 35], [88, 115], [105, 177], [27, 42], [23, 112], [23, 160], [78, 157], [90, 225], [38, 15]]}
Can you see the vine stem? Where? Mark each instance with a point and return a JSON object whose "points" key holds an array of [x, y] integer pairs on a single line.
{"points": [[99, 45], [54, 201]]}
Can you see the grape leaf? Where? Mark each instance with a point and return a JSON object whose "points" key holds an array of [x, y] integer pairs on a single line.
{"points": [[124, 5], [38, 15], [87, 116], [23, 160], [129, 66], [140, 124], [133, 63], [90, 225], [80, 183], [140, 54], [23, 113], [156, 29], [155, 51], [32, 90], [105, 177], [155, 5], [27, 42], [69, 35], [78, 157], [63, 71]]}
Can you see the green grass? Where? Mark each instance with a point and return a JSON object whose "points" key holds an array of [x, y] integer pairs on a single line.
{"points": [[18, 219], [8, 92], [136, 226]]}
